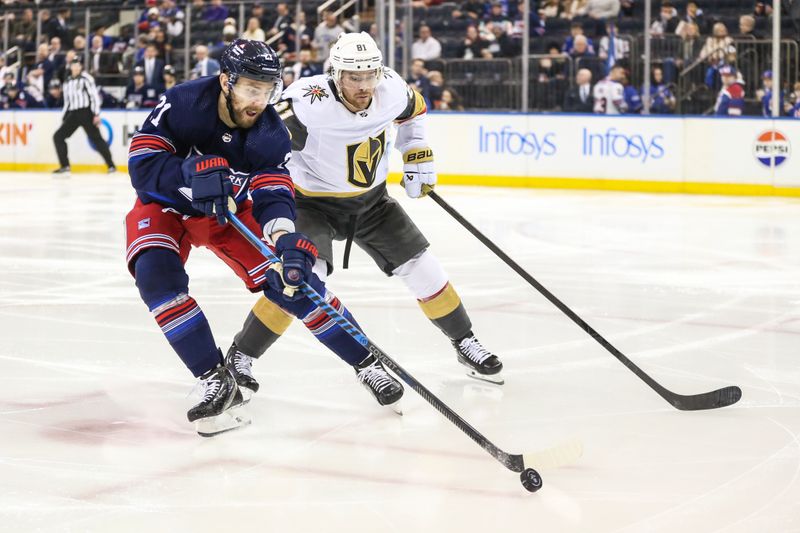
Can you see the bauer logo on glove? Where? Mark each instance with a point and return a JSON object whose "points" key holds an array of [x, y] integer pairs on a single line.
{"points": [[419, 176]]}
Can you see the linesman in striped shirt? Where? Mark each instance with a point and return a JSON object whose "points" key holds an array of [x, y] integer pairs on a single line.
{"points": [[81, 109]]}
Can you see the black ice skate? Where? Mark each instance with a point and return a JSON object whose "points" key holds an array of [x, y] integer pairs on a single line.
{"points": [[240, 365], [380, 383], [480, 362], [218, 411]]}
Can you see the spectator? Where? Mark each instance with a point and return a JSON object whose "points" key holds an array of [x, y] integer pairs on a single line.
{"points": [[34, 89], [418, 80], [575, 29], [288, 77], [54, 99], [265, 21], [662, 99], [730, 101], [497, 13], [633, 100], [12, 97], [175, 25], [79, 44], [667, 22], [713, 79], [56, 57], [138, 93], [326, 34], [762, 9], [473, 45], [283, 22], [573, 8], [693, 15], [765, 95], [471, 10], [793, 106], [24, 27], [44, 65], [549, 9], [426, 47], [95, 54], [153, 68], [57, 26], [215, 11], [304, 67], [622, 47], [626, 7], [601, 9], [609, 94], [436, 87], [450, 101], [747, 28], [205, 66], [580, 48], [254, 31], [170, 78], [717, 45], [554, 66], [691, 44], [579, 98], [501, 44]]}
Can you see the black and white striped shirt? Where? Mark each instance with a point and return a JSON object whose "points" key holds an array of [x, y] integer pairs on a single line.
{"points": [[80, 93]]}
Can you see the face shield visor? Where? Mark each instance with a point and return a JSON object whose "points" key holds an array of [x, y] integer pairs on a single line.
{"points": [[257, 93], [354, 81]]}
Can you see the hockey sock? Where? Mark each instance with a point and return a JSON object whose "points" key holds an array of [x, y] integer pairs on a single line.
{"points": [[447, 313], [329, 333], [262, 327], [164, 286]]}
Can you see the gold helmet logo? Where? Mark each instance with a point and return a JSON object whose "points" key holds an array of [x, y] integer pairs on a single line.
{"points": [[363, 159]]}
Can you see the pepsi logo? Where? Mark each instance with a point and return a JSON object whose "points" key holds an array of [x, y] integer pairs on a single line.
{"points": [[772, 148]]}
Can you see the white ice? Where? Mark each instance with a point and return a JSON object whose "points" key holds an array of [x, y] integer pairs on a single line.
{"points": [[700, 291]]}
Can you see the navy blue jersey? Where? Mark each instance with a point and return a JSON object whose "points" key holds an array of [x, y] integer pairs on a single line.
{"points": [[185, 123]]}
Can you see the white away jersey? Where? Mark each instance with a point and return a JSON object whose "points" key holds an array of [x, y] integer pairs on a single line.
{"points": [[336, 152], [609, 97]]}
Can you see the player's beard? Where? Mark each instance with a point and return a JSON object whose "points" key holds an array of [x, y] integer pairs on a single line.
{"points": [[243, 116]]}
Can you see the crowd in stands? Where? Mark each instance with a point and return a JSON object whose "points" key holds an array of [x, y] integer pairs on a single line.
{"points": [[587, 53]]}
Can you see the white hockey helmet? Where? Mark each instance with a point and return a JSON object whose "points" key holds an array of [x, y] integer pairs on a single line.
{"points": [[355, 52]]}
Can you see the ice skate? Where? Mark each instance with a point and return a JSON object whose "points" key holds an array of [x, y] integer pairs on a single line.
{"points": [[479, 362], [380, 383], [219, 410], [241, 366]]}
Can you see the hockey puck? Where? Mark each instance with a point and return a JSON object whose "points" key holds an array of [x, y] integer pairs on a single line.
{"points": [[531, 480]]}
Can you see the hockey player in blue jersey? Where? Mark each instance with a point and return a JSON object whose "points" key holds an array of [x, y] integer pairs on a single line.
{"points": [[206, 142]]}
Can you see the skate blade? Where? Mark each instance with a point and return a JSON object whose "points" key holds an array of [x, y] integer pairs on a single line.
{"points": [[247, 394], [397, 407], [497, 379], [233, 418]]}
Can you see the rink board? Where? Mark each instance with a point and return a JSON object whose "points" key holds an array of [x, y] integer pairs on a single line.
{"points": [[662, 154]]}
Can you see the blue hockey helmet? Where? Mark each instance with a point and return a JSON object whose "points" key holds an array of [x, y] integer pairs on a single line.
{"points": [[254, 60]]}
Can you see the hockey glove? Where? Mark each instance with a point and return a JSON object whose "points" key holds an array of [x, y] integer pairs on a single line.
{"points": [[419, 177], [297, 254], [209, 178]]}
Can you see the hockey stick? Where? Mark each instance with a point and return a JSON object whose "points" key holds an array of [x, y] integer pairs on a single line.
{"points": [[515, 463], [694, 402]]}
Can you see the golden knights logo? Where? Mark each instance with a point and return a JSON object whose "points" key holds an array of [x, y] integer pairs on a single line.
{"points": [[363, 159], [316, 92]]}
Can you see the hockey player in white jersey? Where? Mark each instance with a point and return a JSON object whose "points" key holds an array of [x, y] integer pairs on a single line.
{"points": [[609, 93], [341, 125]]}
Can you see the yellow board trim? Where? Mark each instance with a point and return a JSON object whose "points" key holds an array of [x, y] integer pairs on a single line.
{"points": [[732, 189], [442, 304], [49, 167], [272, 316]]}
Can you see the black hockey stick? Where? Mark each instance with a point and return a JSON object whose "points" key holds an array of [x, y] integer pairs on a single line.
{"points": [[693, 402], [516, 463]]}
